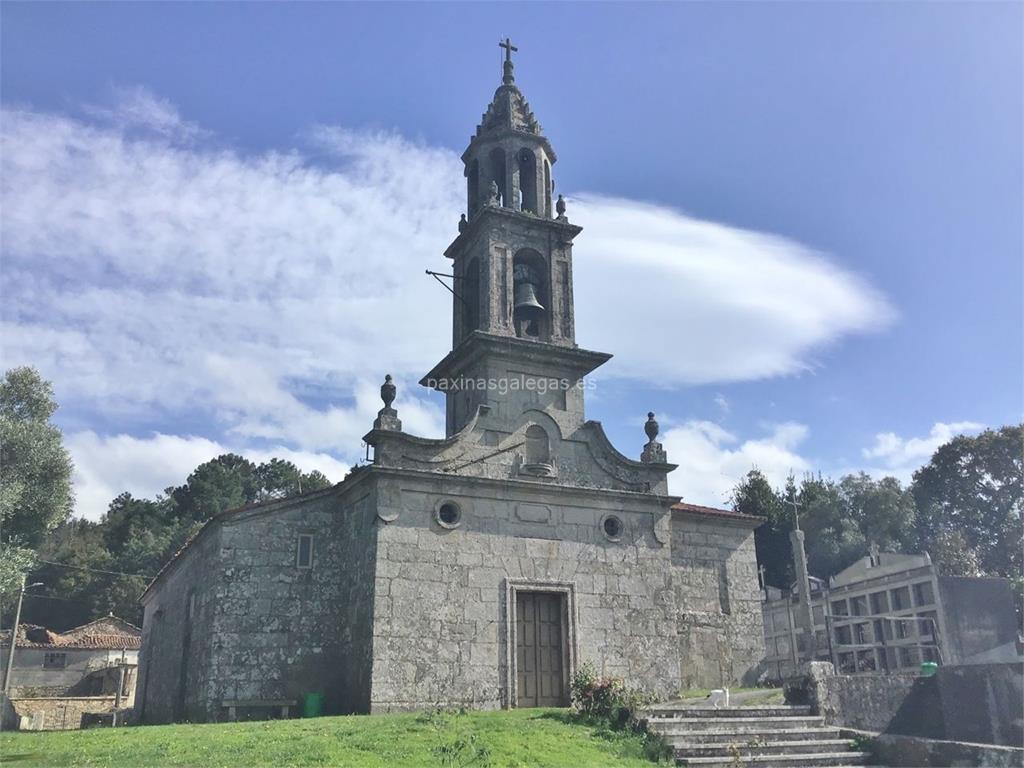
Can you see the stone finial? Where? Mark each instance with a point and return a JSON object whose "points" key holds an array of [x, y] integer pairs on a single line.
{"points": [[388, 391], [654, 452], [560, 207], [651, 426], [463, 224], [493, 199], [387, 417]]}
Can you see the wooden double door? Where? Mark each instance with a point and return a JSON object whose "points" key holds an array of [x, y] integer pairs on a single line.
{"points": [[541, 650]]}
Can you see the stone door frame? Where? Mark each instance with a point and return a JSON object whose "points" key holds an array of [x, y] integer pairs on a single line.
{"points": [[565, 588]]}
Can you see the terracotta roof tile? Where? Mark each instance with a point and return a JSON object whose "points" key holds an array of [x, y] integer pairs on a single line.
{"points": [[697, 509], [112, 634]]}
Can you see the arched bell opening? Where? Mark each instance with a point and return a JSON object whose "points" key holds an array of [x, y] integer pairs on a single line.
{"points": [[472, 188], [496, 160], [548, 188], [528, 181], [470, 294], [531, 297]]}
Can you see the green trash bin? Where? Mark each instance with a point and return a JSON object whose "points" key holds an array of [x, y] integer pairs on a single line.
{"points": [[312, 705], [928, 668]]}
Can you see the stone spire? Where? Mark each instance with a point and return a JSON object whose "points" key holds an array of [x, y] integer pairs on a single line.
{"points": [[509, 110]]}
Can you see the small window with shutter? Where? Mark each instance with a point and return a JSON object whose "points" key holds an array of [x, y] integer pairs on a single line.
{"points": [[304, 551]]}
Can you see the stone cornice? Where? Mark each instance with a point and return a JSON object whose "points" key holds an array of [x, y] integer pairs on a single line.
{"points": [[489, 215], [578, 362]]}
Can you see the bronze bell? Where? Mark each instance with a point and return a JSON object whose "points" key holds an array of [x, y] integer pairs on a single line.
{"points": [[526, 298]]}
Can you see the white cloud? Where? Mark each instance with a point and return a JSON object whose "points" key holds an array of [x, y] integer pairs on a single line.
{"points": [[700, 302], [108, 465], [900, 456], [723, 403], [136, 107], [157, 279], [712, 460]]}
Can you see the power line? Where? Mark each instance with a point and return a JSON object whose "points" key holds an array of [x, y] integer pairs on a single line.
{"points": [[33, 596], [95, 570]]}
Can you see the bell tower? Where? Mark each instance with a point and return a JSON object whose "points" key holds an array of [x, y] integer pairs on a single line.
{"points": [[513, 258], [512, 265]]}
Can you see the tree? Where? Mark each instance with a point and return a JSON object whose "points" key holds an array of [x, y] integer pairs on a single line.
{"points": [[69, 592], [974, 487], [755, 496], [839, 520], [883, 510], [278, 479], [832, 537], [223, 483], [35, 485]]}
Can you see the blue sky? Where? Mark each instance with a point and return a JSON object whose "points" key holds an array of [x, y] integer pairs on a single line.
{"points": [[216, 218]]}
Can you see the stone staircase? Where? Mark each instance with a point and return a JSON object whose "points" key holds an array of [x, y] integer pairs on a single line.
{"points": [[760, 737]]}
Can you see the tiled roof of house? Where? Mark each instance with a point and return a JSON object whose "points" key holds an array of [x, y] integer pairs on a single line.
{"points": [[697, 509], [108, 633]]}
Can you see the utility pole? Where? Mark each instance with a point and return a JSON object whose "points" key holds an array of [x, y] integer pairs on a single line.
{"points": [[14, 633]]}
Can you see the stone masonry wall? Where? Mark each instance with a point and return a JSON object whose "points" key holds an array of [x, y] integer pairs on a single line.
{"points": [[262, 628], [721, 632], [281, 631], [163, 652], [59, 713], [440, 632]]}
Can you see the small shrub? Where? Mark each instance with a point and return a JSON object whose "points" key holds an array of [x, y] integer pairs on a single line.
{"points": [[606, 698]]}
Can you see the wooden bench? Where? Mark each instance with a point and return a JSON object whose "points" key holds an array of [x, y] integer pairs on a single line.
{"points": [[233, 706]]}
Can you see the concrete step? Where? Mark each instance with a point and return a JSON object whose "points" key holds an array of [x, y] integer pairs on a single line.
{"points": [[773, 711], [738, 724], [818, 746], [803, 760], [732, 736]]}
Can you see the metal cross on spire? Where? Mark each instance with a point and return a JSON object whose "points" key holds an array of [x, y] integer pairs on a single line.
{"points": [[507, 78]]}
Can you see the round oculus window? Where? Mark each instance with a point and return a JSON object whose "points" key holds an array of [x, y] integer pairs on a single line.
{"points": [[612, 527], [448, 514]]}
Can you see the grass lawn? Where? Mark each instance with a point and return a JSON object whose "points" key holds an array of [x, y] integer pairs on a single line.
{"points": [[752, 697], [524, 737]]}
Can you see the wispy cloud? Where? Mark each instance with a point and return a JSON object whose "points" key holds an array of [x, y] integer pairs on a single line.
{"points": [[723, 403], [158, 279], [700, 302], [136, 107]]}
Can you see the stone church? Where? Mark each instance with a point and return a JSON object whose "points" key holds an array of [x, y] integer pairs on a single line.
{"points": [[483, 568]]}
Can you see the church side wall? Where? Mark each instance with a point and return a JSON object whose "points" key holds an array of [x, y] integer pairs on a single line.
{"points": [[440, 620], [263, 628], [721, 630], [175, 651], [283, 631]]}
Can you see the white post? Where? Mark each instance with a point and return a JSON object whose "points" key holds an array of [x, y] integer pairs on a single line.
{"points": [[14, 638]]}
